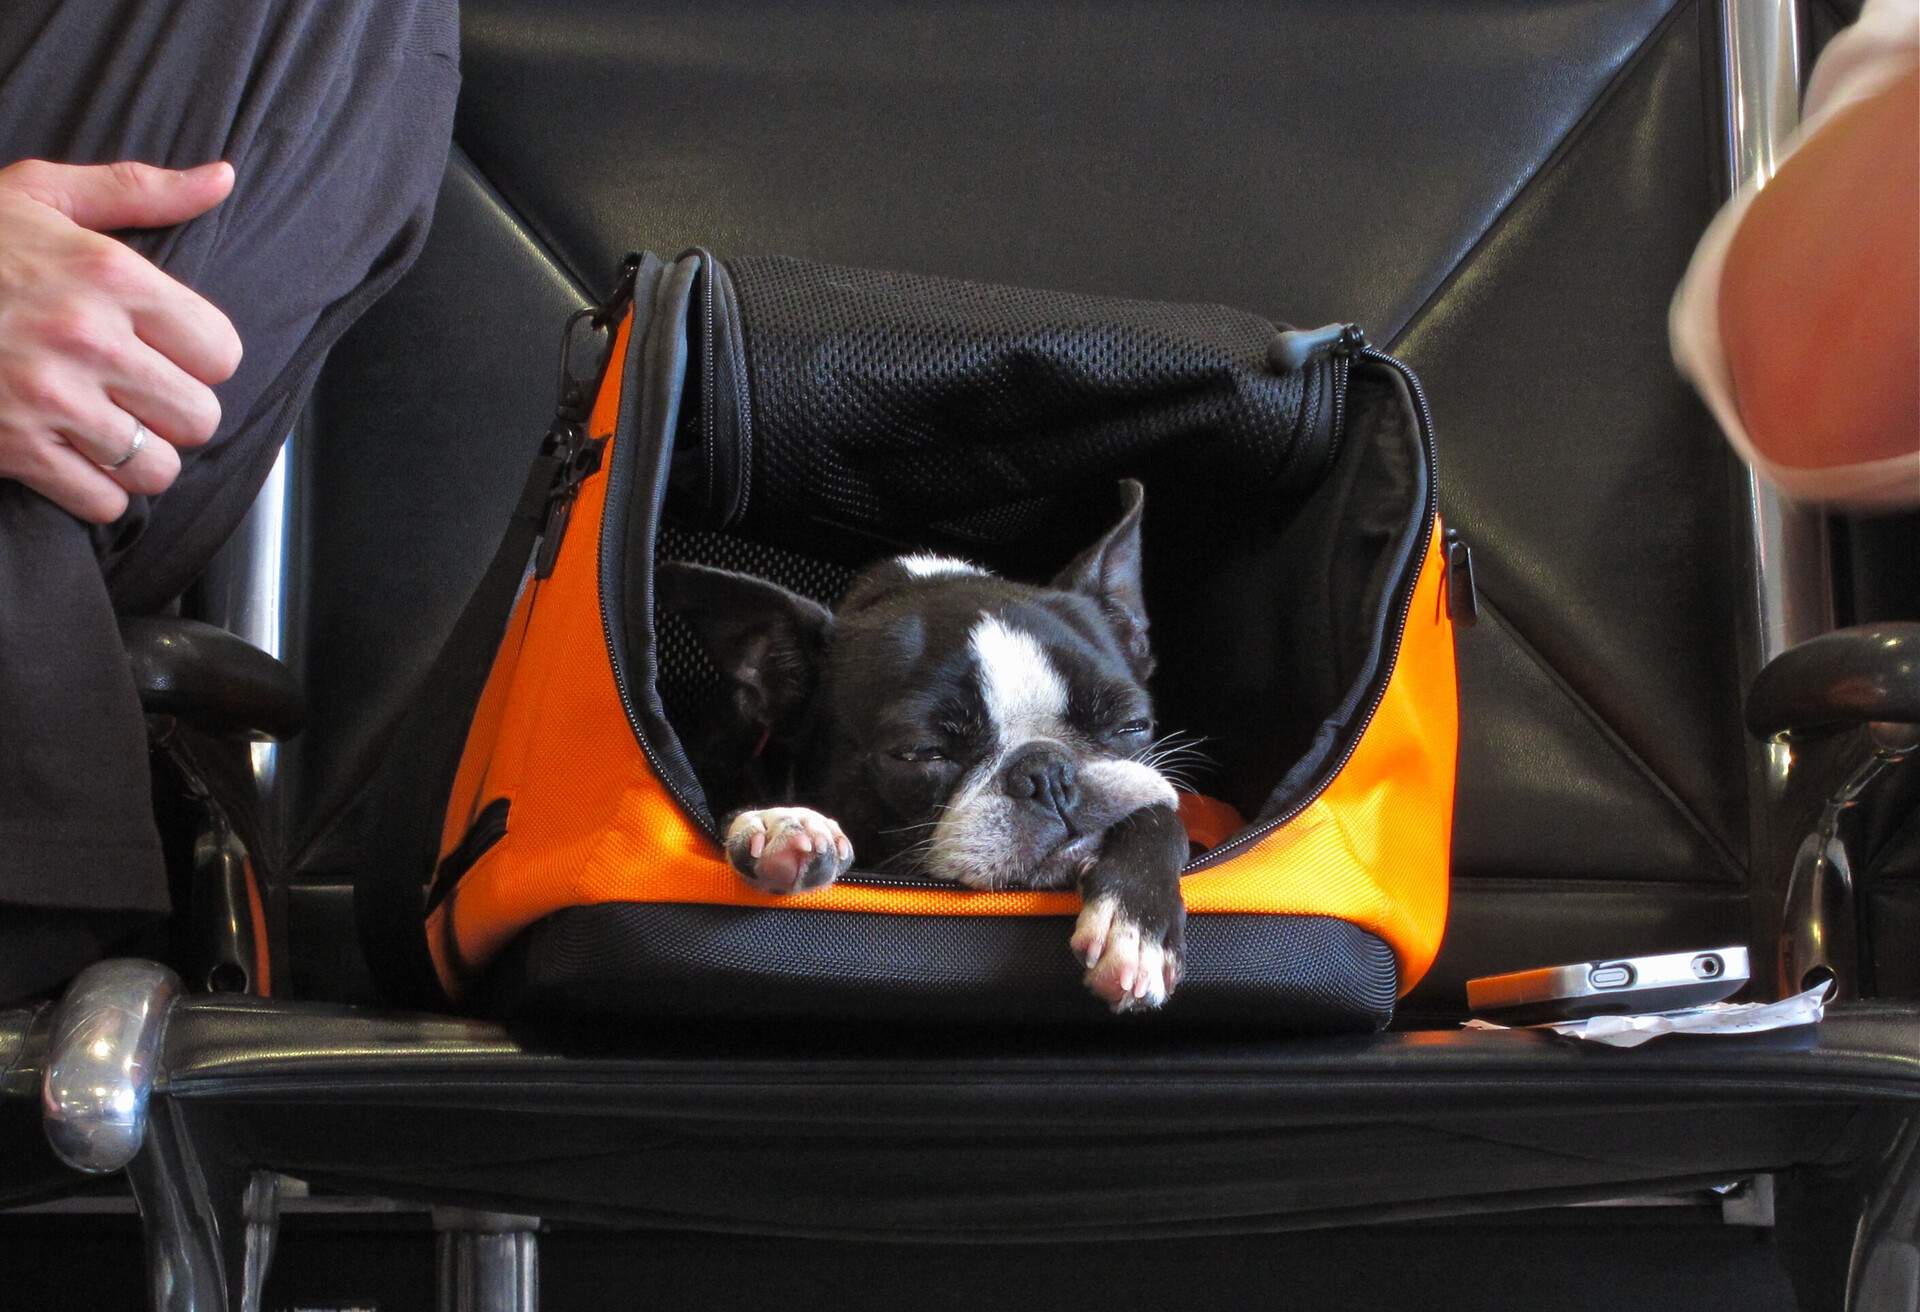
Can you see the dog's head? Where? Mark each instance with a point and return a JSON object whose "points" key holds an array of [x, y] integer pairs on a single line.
{"points": [[956, 724]]}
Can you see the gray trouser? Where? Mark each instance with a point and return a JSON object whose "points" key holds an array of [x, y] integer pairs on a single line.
{"points": [[336, 115]]}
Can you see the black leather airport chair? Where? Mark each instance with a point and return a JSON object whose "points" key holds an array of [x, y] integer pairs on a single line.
{"points": [[1508, 197]]}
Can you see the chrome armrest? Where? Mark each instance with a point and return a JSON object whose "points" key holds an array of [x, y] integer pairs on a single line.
{"points": [[1867, 677], [102, 1060]]}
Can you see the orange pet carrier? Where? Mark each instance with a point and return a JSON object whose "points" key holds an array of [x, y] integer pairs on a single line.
{"points": [[798, 421]]}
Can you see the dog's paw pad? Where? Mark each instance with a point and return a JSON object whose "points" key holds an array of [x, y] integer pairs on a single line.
{"points": [[1128, 968], [787, 849]]}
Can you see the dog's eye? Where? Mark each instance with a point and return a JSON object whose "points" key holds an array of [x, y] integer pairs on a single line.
{"points": [[1133, 727], [919, 755]]}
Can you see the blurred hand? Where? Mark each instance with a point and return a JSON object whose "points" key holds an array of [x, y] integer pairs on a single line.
{"points": [[93, 337], [1820, 297]]}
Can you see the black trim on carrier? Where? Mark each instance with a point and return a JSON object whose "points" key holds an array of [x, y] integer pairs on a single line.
{"points": [[670, 961]]}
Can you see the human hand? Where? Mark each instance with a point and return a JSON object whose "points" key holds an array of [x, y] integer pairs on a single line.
{"points": [[94, 337]]}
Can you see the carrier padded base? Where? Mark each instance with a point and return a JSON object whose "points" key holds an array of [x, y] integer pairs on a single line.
{"points": [[653, 961]]}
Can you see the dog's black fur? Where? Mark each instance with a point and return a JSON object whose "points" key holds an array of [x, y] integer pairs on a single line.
{"points": [[955, 725]]}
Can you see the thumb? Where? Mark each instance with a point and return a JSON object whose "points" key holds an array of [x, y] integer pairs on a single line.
{"points": [[129, 194]]}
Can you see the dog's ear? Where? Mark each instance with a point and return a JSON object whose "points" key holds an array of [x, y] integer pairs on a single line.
{"points": [[1109, 572], [764, 639]]}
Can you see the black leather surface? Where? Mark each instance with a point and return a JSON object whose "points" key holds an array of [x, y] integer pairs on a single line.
{"points": [[425, 420], [1309, 161], [1509, 189], [235, 1048], [1599, 694], [907, 1133], [1893, 917], [210, 679]]}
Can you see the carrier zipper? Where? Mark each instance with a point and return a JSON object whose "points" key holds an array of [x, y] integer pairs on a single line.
{"points": [[1293, 350], [619, 491], [729, 480], [1425, 543], [899, 881], [1351, 342], [724, 305], [613, 517], [567, 439]]}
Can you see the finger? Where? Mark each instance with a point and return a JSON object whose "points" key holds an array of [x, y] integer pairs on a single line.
{"points": [[74, 483], [156, 391], [126, 194], [103, 433], [181, 324]]}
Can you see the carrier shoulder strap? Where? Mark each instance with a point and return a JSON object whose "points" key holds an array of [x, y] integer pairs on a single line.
{"points": [[414, 776]]}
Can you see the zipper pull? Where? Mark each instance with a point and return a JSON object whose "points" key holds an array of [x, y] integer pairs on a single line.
{"points": [[1291, 350], [577, 385], [1463, 599], [610, 310], [580, 460]]}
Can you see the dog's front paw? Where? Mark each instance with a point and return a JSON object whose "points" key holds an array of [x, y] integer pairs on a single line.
{"points": [[1129, 966], [787, 849]]}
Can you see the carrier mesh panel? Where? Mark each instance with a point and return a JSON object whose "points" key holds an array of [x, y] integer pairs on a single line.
{"points": [[687, 678], [922, 410], [635, 962]]}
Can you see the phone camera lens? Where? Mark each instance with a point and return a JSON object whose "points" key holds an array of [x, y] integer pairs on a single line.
{"points": [[1707, 967]]}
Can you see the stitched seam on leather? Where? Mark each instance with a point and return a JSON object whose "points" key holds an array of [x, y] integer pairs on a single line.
{"points": [[1457, 1134], [531, 229], [1491, 609], [1562, 148]]}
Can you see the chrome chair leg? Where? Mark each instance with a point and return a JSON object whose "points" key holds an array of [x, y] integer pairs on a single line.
{"points": [[1820, 912], [488, 1261], [210, 1228]]}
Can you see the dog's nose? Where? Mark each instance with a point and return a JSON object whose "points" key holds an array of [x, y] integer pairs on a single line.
{"points": [[1044, 774]]}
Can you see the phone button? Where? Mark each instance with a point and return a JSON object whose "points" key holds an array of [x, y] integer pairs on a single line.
{"points": [[1610, 977]]}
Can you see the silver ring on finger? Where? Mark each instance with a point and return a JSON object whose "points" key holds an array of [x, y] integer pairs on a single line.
{"points": [[140, 435]]}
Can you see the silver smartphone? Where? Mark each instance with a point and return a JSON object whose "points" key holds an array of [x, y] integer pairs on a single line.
{"points": [[1620, 986]]}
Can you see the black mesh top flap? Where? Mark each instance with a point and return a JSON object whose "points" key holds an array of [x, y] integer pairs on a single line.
{"points": [[899, 409]]}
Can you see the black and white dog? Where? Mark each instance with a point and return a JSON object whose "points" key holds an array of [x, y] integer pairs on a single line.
{"points": [[952, 724]]}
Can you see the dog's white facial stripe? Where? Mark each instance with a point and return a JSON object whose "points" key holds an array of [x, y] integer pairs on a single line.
{"points": [[925, 566], [1025, 696]]}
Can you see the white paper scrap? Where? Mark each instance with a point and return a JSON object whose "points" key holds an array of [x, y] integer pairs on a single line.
{"points": [[1716, 1018]]}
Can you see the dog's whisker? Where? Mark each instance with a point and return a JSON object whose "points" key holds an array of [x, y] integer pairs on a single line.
{"points": [[908, 829]]}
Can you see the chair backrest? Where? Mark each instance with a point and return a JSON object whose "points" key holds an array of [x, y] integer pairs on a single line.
{"points": [[1505, 192]]}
